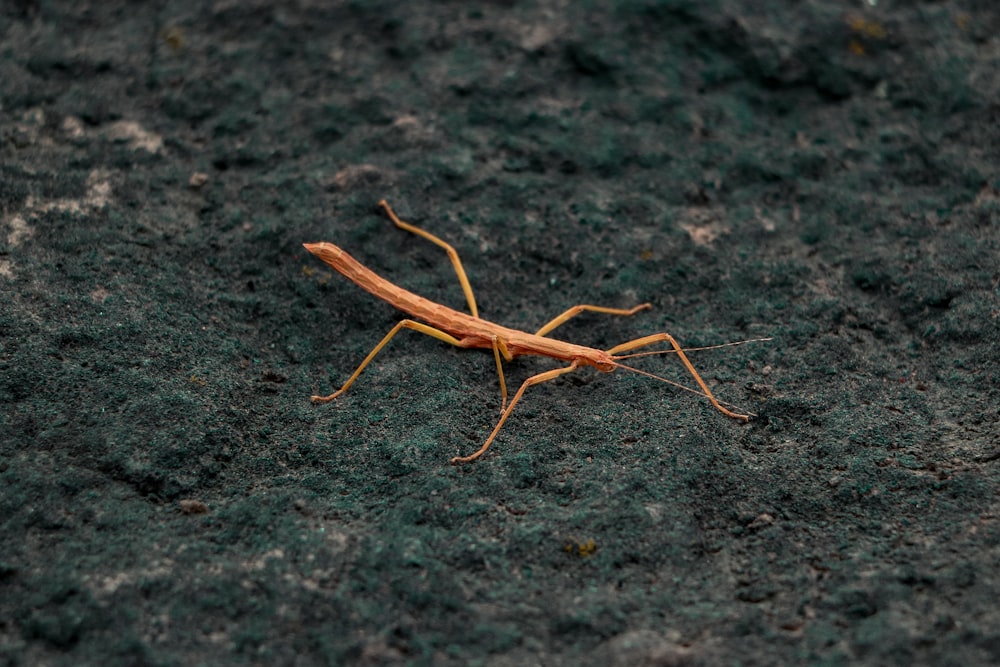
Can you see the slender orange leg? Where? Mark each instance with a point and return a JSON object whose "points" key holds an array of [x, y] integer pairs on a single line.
{"points": [[533, 380], [405, 324], [576, 310], [665, 337], [452, 254], [471, 331], [500, 348]]}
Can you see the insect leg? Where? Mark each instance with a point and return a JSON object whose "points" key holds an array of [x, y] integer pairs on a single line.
{"points": [[576, 310], [500, 348], [452, 254], [533, 380], [405, 324], [665, 337]]}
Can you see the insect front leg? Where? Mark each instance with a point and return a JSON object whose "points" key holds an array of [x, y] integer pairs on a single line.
{"points": [[665, 337], [533, 380]]}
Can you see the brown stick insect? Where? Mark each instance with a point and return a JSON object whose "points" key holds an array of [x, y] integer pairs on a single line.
{"points": [[471, 331]]}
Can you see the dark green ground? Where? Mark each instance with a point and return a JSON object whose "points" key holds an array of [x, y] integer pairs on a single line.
{"points": [[825, 173]]}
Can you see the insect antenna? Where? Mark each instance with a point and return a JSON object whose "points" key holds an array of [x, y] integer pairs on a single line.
{"points": [[678, 385], [691, 349]]}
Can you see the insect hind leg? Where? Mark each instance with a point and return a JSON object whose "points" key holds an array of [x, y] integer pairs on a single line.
{"points": [[452, 254], [404, 324]]}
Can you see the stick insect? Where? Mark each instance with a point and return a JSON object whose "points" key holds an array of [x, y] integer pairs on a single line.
{"points": [[471, 331]]}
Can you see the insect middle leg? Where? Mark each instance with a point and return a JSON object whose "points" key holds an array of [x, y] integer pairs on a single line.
{"points": [[404, 324], [500, 350], [665, 337], [576, 310]]}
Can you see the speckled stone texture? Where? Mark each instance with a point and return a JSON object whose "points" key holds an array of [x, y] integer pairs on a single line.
{"points": [[823, 173]]}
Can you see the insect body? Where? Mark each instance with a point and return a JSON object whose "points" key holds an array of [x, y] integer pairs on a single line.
{"points": [[471, 331]]}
